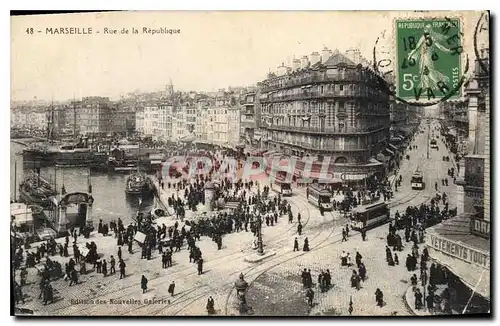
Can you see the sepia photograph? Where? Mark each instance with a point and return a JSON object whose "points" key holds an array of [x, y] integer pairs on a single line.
{"points": [[250, 163]]}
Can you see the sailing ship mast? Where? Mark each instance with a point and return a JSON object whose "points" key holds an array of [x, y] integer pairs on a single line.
{"points": [[74, 119], [15, 181]]}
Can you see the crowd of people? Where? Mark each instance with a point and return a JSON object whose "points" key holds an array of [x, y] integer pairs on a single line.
{"points": [[254, 210]]}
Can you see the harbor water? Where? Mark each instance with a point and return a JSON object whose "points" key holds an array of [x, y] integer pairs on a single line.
{"points": [[108, 190]]}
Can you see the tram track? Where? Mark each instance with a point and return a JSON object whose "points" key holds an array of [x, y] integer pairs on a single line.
{"points": [[247, 271], [186, 296], [238, 255]]}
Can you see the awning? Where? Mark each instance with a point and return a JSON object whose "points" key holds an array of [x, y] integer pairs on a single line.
{"points": [[393, 147], [257, 138], [314, 175], [156, 162], [452, 132], [389, 151], [396, 139], [381, 157]]}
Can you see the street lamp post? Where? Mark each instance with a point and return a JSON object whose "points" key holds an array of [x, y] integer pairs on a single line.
{"points": [[260, 245], [428, 139], [424, 283]]}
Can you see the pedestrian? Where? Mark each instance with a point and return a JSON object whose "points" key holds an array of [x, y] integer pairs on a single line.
{"points": [[48, 293], [430, 302], [122, 268], [200, 266], [295, 245], [363, 234], [119, 253], [306, 245], [362, 272], [344, 235], [144, 284], [418, 299], [310, 297], [299, 228], [358, 258], [171, 288], [74, 278], [112, 263], [355, 280], [210, 306], [396, 259], [18, 293], [164, 260], [379, 298], [409, 263], [104, 268]]}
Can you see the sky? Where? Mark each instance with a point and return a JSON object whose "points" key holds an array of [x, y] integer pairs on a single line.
{"points": [[213, 49]]}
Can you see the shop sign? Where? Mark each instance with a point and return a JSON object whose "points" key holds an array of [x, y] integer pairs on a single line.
{"points": [[459, 251], [346, 176], [480, 227]]}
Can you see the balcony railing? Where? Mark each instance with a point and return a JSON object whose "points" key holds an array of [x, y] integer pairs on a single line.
{"points": [[317, 95], [318, 78], [315, 146], [319, 130]]}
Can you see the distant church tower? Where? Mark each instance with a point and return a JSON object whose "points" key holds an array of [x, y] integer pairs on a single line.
{"points": [[169, 89]]}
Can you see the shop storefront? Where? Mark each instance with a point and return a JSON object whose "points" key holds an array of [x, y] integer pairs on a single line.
{"points": [[457, 245]]}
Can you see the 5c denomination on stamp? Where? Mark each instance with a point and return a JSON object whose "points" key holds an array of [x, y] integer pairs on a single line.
{"points": [[428, 59]]}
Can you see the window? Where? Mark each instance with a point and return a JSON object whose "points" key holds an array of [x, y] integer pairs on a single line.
{"points": [[341, 87]]}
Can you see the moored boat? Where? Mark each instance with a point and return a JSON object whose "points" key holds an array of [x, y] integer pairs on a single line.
{"points": [[36, 190], [138, 184]]}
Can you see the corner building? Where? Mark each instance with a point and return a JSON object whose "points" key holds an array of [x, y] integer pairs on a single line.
{"points": [[327, 107]]}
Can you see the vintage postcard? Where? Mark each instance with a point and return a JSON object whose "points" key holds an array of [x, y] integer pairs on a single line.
{"points": [[250, 163]]}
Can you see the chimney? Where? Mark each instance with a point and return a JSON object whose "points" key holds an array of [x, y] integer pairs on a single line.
{"points": [[325, 54], [304, 61], [315, 57], [281, 70], [296, 64], [354, 55]]}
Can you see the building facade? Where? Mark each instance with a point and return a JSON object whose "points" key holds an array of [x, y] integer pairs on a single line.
{"points": [[462, 244], [94, 116], [248, 114], [150, 114], [164, 124], [123, 119], [139, 120], [328, 106]]}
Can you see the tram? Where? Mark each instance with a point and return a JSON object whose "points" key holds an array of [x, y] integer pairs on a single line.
{"points": [[320, 197], [282, 186], [434, 144], [364, 218], [417, 181]]}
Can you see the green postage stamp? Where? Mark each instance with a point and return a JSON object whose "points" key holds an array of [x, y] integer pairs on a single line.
{"points": [[429, 57]]}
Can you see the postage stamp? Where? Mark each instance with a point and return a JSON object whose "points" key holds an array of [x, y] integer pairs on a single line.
{"points": [[428, 59]]}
